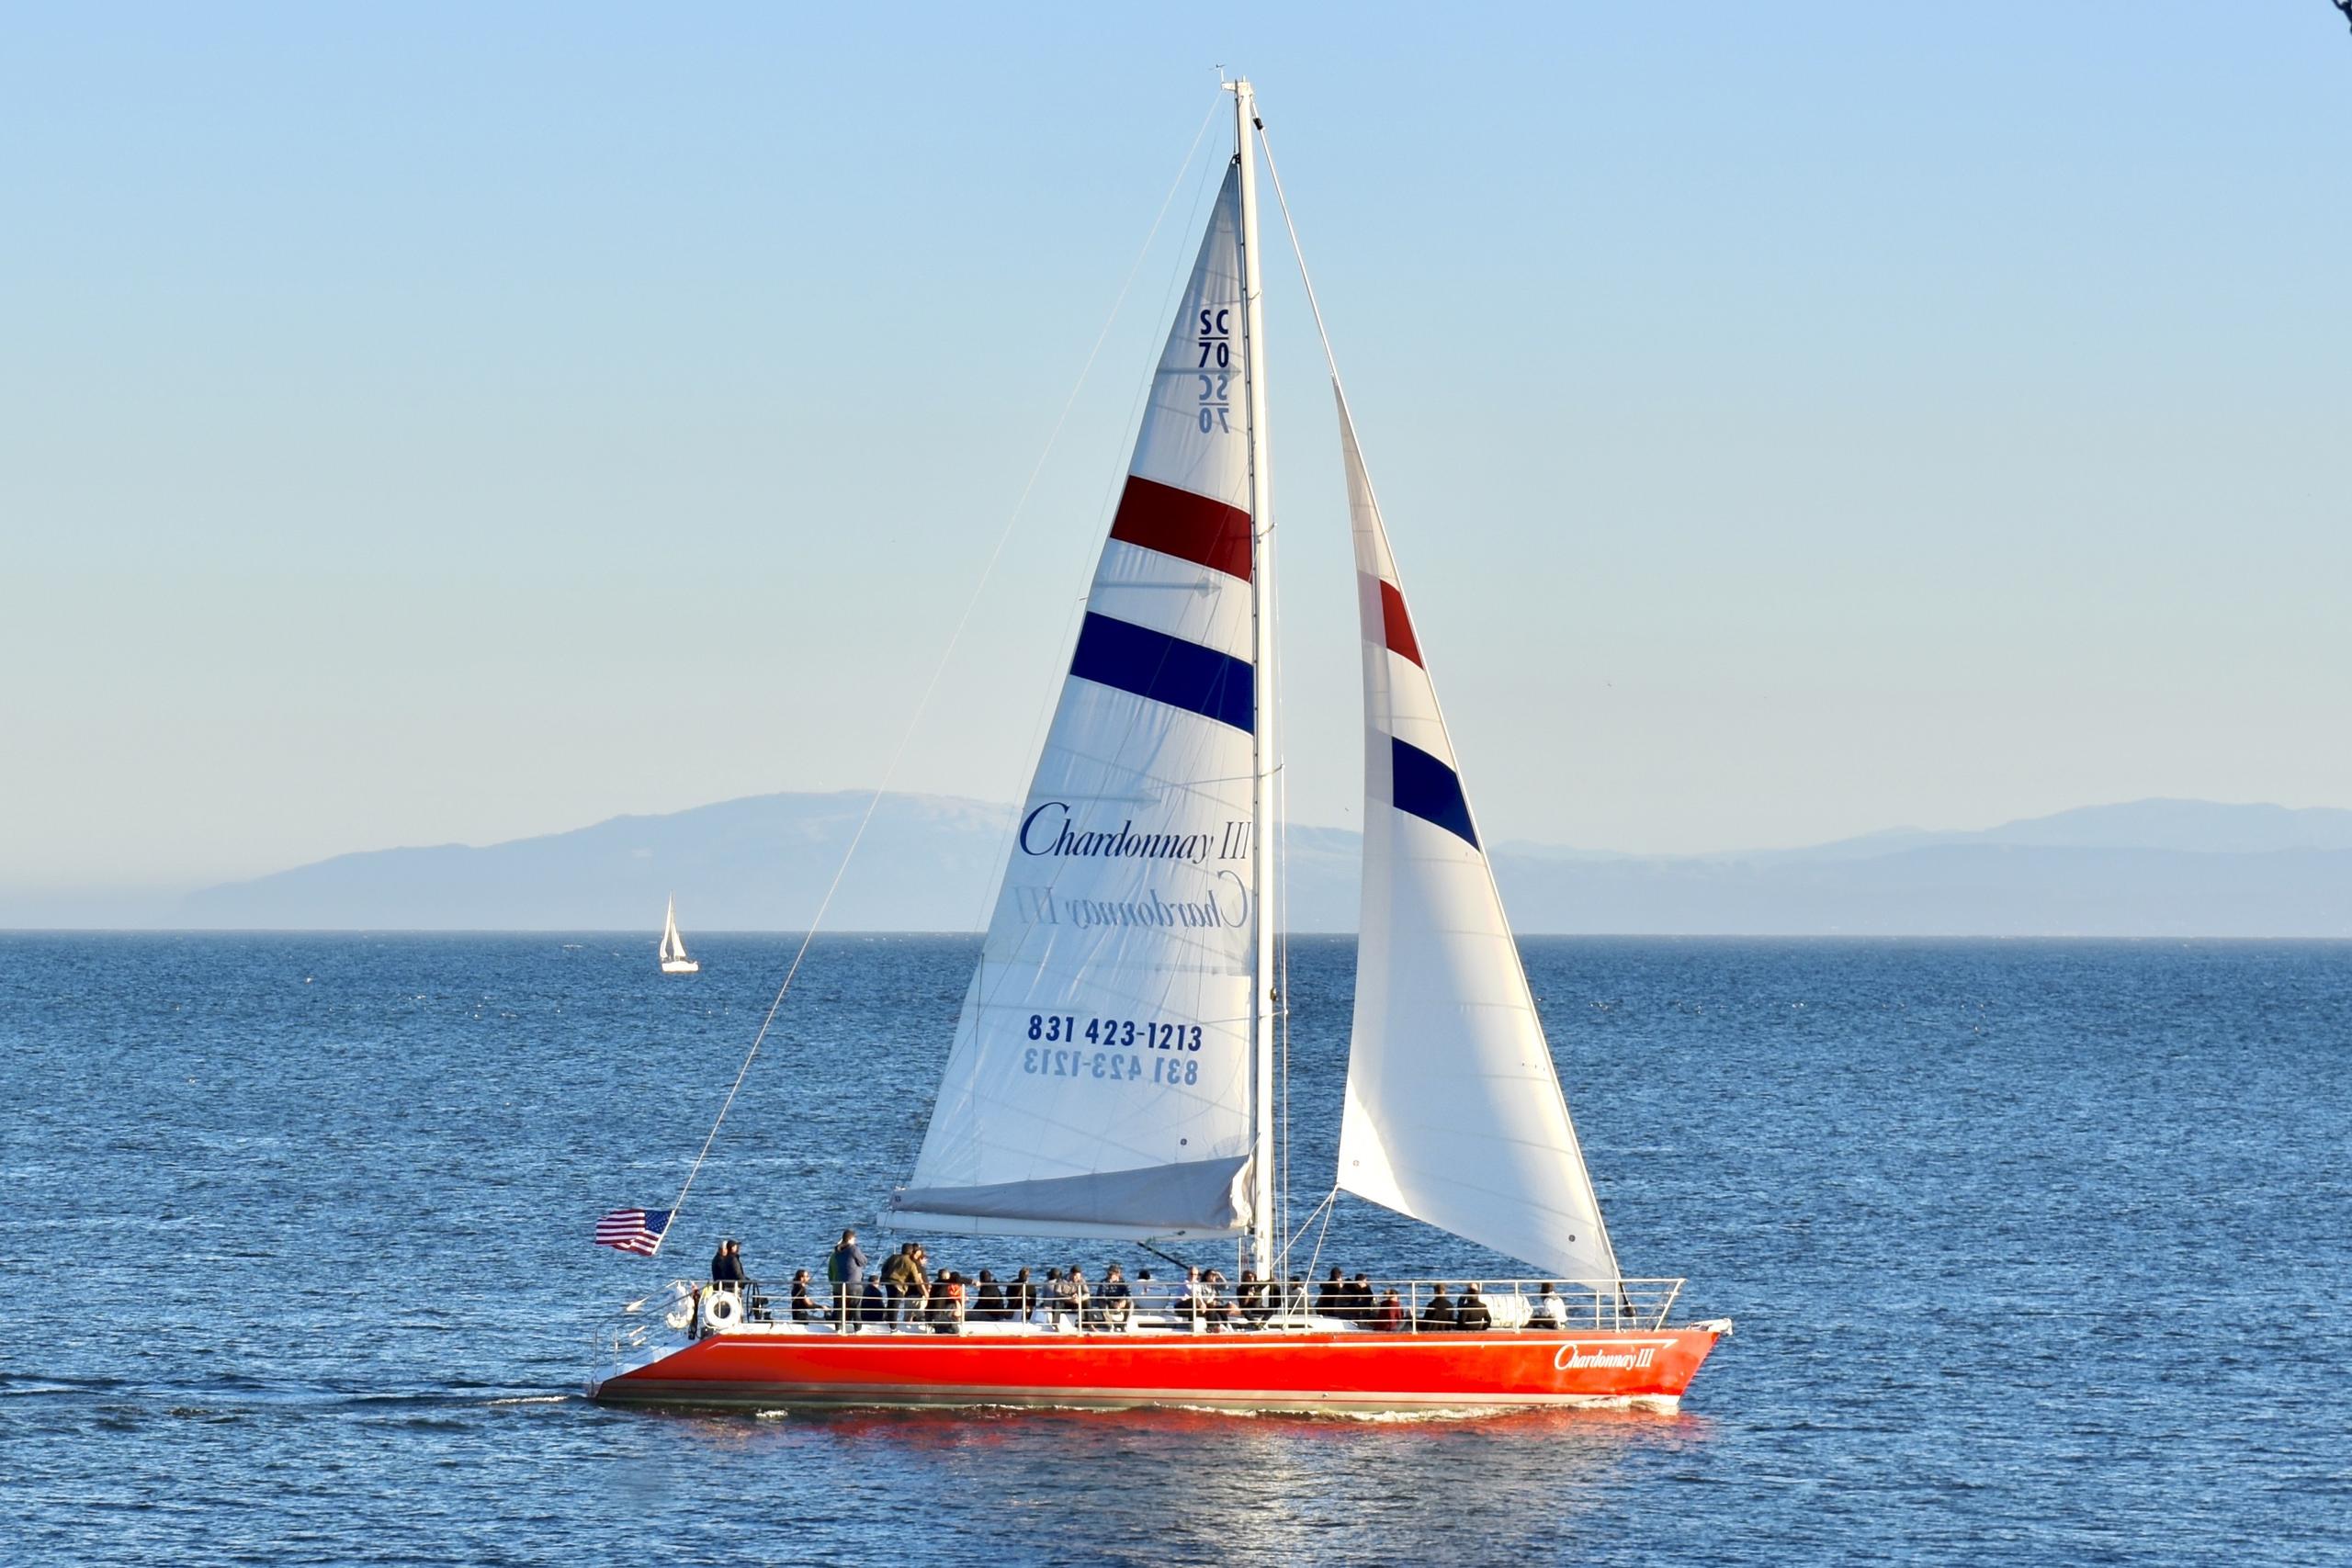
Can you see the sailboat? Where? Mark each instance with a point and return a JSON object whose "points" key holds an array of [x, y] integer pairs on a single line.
{"points": [[674, 946], [1113, 1073]]}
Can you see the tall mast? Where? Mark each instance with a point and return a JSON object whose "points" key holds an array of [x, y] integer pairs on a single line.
{"points": [[1263, 1000]]}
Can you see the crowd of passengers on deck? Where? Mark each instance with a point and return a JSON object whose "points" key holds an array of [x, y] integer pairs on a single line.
{"points": [[908, 1291]]}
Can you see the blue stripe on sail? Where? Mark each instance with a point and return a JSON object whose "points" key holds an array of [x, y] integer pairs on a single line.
{"points": [[1430, 790], [1165, 669]]}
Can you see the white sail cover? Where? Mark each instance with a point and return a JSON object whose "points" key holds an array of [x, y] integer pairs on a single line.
{"points": [[1453, 1112], [1099, 1083]]}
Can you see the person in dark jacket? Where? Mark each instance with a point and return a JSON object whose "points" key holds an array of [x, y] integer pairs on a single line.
{"points": [[1117, 1302], [1331, 1296], [874, 1304], [727, 1263], [1360, 1300], [846, 1269], [988, 1302], [1439, 1313], [947, 1302], [804, 1306], [1021, 1296], [1470, 1313]]}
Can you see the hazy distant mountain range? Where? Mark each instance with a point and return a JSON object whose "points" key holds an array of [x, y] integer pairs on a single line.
{"points": [[928, 863]]}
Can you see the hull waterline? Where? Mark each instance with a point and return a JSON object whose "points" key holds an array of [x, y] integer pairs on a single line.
{"points": [[1344, 1371]]}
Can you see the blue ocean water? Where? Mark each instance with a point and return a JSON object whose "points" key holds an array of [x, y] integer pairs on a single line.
{"points": [[2039, 1253]]}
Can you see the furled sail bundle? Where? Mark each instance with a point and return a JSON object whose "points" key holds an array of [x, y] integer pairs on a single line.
{"points": [[1453, 1112], [1100, 1082]]}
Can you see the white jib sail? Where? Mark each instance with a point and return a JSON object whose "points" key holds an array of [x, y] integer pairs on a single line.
{"points": [[1453, 1112], [1099, 1083], [674, 946]]}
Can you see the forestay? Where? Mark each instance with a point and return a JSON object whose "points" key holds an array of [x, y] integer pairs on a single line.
{"points": [[1453, 1112], [1099, 1083]]}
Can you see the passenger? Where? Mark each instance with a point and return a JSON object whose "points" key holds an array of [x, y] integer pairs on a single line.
{"points": [[902, 1272], [1021, 1297], [1545, 1311], [1151, 1297], [926, 1313], [947, 1311], [873, 1305], [921, 1261], [1331, 1296], [1252, 1298], [1118, 1304], [1389, 1316], [1076, 1299], [1049, 1297], [988, 1302], [727, 1264], [1470, 1314], [1184, 1299], [1216, 1303], [804, 1306], [1360, 1298], [1295, 1302], [1439, 1313], [846, 1272]]}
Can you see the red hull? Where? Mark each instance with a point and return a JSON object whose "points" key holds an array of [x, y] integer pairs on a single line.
{"points": [[1341, 1371]]}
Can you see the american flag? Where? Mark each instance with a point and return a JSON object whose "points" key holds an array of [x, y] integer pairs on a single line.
{"points": [[634, 1230]]}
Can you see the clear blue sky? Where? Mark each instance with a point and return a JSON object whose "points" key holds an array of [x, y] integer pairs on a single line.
{"points": [[429, 423]]}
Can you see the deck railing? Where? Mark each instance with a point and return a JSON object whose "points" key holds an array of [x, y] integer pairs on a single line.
{"points": [[695, 1307]]}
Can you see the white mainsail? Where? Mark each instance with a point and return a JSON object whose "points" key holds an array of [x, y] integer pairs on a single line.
{"points": [[674, 946], [1453, 1112], [1100, 1082]]}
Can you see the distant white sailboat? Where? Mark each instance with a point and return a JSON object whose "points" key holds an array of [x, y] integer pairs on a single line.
{"points": [[674, 946]]}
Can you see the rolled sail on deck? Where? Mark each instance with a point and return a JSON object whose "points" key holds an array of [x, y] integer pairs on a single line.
{"points": [[1099, 1083]]}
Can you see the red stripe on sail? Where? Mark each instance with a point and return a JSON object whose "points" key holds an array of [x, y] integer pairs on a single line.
{"points": [[1396, 625], [1177, 522]]}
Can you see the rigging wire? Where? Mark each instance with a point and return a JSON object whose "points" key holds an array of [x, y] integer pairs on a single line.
{"points": [[1298, 253], [1283, 782], [931, 686]]}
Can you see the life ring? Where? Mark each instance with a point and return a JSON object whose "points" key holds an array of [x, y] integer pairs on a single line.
{"points": [[721, 1310], [680, 1316]]}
